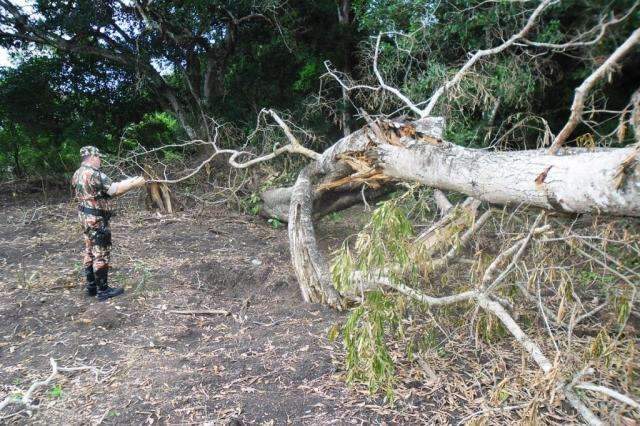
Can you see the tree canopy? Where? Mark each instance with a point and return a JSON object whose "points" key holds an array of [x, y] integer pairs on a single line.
{"points": [[92, 68]]}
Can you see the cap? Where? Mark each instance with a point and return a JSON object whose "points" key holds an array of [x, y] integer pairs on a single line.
{"points": [[88, 150]]}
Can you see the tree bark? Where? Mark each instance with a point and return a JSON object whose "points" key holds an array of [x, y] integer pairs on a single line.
{"points": [[580, 182], [577, 181], [311, 268], [345, 20]]}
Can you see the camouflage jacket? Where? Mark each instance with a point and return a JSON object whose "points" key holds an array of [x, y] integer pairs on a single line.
{"points": [[91, 186]]}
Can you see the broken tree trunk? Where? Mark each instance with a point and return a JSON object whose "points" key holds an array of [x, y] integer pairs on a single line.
{"points": [[159, 196], [275, 202], [309, 264], [576, 181]]}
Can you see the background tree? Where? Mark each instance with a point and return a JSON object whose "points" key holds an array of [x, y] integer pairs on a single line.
{"points": [[49, 108], [191, 55]]}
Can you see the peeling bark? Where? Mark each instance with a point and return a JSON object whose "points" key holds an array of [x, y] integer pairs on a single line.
{"points": [[577, 181], [574, 183]]}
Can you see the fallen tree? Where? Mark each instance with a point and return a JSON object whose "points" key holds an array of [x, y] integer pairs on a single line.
{"points": [[388, 151], [576, 181], [598, 181]]}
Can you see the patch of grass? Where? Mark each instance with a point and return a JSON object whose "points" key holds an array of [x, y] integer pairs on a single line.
{"points": [[335, 216], [56, 391], [25, 280], [489, 328], [586, 278], [145, 281], [275, 223], [140, 280], [251, 204]]}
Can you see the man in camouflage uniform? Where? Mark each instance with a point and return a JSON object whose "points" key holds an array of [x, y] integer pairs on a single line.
{"points": [[93, 190]]}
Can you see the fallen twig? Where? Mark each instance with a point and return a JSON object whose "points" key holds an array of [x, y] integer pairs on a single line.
{"points": [[609, 392], [26, 399], [202, 312]]}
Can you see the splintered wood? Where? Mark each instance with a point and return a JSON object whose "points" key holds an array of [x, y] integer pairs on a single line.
{"points": [[365, 171], [363, 163], [158, 193], [626, 168]]}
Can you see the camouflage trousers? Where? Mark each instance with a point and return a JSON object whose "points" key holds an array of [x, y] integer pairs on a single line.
{"points": [[97, 242]]}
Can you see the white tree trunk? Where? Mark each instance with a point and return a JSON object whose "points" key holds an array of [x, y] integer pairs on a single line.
{"points": [[311, 267], [576, 181]]}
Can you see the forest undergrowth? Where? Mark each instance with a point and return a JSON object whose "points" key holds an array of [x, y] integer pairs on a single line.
{"points": [[572, 288]]}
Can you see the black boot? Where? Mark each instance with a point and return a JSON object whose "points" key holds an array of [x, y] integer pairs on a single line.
{"points": [[91, 287], [104, 291]]}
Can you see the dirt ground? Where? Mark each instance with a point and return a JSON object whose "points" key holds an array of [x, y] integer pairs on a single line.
{"points": [[263, 356], [267, 362]]}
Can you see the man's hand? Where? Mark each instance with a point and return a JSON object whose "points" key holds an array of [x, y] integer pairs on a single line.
{"points": [[124, 186], [137, 182]]}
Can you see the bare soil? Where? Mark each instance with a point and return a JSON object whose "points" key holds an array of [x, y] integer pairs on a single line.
{"points": [[267, 362]]}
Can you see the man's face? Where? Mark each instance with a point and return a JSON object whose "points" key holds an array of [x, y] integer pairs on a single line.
{"points": [[94, 161]]}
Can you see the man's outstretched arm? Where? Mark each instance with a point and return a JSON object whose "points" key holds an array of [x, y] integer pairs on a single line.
{"points": [[124, 186]]}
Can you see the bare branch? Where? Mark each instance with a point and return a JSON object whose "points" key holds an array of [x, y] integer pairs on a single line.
{"points": [[345, 86], [223, 312], [609, 392], [382, 84], [464, 240], [601, 28], [428, 110], [577, 107], [519, 249], [26, 399], [428, 300], [388, 88], [293, 147]]}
